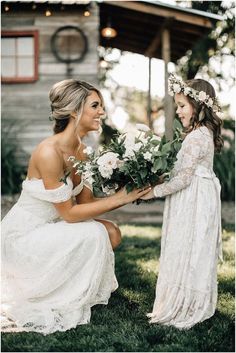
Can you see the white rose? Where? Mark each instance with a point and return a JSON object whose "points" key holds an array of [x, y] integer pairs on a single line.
{"points": [[105, 172], [108, 160], [210, 102], [202, 96], [176, 88], [187, 90]]}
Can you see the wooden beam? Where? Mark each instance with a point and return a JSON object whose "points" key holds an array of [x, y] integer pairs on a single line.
{"points": [[149, 100], [168, 101], [159, 11], [152, 48], [155, 44]]}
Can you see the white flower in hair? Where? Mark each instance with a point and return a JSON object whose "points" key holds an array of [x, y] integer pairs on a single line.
{"points": [[202, 96], [187, 91], [177, 88], [210, 102], [176, 85]]}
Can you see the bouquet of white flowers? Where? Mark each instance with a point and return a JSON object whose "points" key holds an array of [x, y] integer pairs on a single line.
{"points": [[134, 160]]}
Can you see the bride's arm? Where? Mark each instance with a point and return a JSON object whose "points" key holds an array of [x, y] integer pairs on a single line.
{"points": [[50, 167]]}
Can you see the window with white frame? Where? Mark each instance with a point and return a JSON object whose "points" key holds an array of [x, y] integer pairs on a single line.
{"points": [[19, 56]]}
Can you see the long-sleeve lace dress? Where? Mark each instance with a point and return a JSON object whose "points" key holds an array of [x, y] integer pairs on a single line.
{"points": [[186, 291], [53, 271]]}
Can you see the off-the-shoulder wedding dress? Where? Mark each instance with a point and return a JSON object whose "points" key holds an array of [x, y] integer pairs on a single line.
{"points": [[53, 271]]}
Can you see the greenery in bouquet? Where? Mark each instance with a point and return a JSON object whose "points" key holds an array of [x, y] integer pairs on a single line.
{"points": [[133, 159]]}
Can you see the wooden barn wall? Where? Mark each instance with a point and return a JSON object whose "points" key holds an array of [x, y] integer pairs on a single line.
{"points": [[26, 106]]}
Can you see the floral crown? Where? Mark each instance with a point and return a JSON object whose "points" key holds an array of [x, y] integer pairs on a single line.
{"points": [[176, 85]]}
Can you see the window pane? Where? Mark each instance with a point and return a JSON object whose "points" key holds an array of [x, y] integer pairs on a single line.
{"points": [[8, 67], [25, 67], [25, 46], [8, 46]]}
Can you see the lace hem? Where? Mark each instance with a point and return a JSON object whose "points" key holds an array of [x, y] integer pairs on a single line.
{"points": [[182, 307]]}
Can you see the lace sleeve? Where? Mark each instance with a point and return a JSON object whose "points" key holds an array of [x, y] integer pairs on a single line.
{"points": [[193, 149]]}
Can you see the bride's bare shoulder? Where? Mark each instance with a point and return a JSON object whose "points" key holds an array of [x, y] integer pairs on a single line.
{"points": [[47, 151]]}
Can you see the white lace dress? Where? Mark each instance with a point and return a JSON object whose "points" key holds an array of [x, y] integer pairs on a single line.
{"points": [[186, 291], [53, 271]]}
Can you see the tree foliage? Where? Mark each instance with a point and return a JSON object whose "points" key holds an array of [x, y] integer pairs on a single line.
{"points": [[217, 45]]}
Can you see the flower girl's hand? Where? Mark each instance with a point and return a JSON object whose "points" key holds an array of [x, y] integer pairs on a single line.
{"points": [[148, 196], [135, 194]]}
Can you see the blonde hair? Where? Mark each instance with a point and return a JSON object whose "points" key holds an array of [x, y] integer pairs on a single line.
{"points": [[69, 96]]}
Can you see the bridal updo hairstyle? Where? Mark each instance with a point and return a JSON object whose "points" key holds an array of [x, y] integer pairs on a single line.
{"points": [[68, 96], [203, 115]]}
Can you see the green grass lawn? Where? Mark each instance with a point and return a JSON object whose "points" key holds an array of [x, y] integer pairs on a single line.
{"points": [[122, 326]]}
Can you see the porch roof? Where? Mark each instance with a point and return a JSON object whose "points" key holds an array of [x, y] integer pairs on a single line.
{"points": [[139, 25]]}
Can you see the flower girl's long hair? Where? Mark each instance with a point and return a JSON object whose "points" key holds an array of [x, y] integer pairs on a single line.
{"points": [[202, 115]]}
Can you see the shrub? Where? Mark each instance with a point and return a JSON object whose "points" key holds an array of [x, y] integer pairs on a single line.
{"points": [[13, 172], [224, 163]]}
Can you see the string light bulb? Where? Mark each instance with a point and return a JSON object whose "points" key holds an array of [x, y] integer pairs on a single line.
{"points": [[87, 13], [34, 6], [48, 13], [109, 32], [6, 8]]}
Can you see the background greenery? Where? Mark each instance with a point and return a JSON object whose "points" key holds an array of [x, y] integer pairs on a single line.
{"points": [[12, 170], [122, 326]]}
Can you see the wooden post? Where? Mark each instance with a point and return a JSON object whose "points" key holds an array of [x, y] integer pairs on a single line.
{"points": [[168, 100], [149, 104]]}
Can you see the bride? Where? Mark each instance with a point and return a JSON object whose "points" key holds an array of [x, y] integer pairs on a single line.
{"points": [[57, 260]]}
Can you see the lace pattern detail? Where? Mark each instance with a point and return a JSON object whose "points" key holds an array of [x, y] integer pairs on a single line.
{"points": [[197, 149]]}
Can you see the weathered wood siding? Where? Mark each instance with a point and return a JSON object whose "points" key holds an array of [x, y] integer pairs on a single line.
{"points": [[27, 105]]}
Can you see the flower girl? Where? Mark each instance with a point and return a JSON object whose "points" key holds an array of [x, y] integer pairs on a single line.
{"points": [[186, 291]]}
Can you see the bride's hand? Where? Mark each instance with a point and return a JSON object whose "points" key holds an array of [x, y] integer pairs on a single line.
{"points": [[133, 195], [148, 196]]}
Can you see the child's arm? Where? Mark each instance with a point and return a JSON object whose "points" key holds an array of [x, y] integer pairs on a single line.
{"points": [[193, 149]]}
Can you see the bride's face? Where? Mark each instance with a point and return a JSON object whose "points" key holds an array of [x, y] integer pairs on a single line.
{"points": [[92, 113], [184, 109]]}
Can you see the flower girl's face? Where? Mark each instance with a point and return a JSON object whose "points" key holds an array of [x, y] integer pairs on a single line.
{"points": [[92, 113], [184, 109]]}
